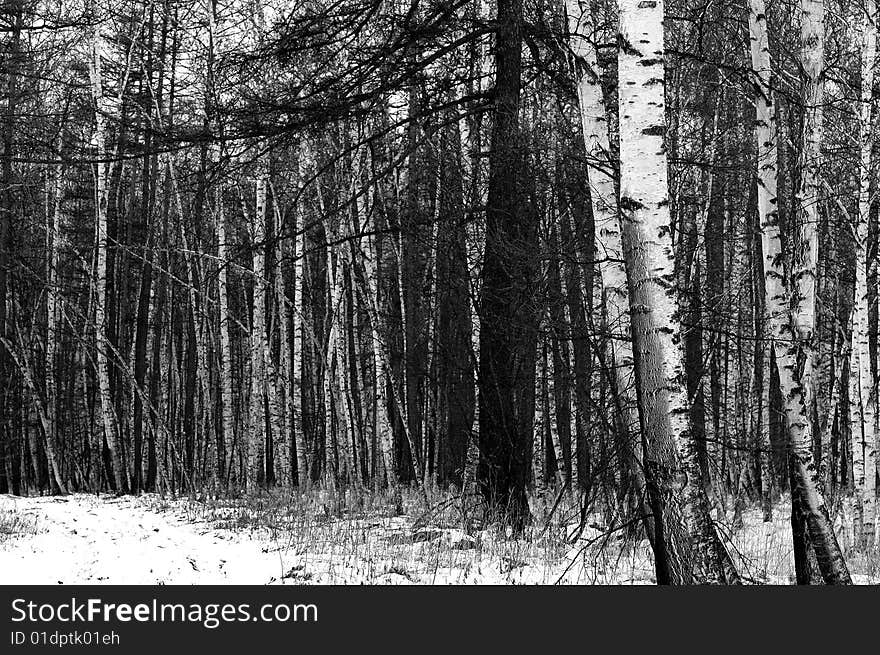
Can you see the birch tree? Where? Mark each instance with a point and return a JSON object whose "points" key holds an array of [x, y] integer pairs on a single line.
{"points": [[99, 139], [256, 440], [54, 238], [603, 197], [863, 390], [778, 298], [649, 255]]}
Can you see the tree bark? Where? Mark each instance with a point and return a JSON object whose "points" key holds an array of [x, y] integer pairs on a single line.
{"points": [[111, 433], [862, 386], [781, 320], [508, 332]]}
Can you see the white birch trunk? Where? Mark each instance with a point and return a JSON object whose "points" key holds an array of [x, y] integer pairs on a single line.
{"points": [[594, 123], [474, 244], [549, 373], [805, 264], [53, 235], [644, 208], [539, 464], [227, 420], [862, 391], [99, 137], [812, 60], [380, 364], [256, 440], [780, 316], [274, 377], [302, 459], [336, 377], [225, 362], [284, 381]]}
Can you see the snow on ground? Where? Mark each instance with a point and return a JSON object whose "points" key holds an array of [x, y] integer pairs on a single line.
{"points": [[764, 552], [149, 540], [89, 539], [146, 540]]}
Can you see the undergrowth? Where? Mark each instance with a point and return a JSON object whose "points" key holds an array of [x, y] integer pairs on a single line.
{"points": [[14, 523]]}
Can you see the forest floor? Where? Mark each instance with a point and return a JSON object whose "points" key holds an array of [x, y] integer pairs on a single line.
{"points": [[153, 540]]}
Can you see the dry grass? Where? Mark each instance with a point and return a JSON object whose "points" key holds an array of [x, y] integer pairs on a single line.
{"points": [[765, 553], [364, 536], [13, 524]]}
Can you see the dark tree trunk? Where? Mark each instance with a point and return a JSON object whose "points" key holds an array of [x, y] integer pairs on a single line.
{"points": [[508, 333], [578, 247], [415, 248], [694, 368], [713, 301], [455, 373], [800, 539], [7, 212]]}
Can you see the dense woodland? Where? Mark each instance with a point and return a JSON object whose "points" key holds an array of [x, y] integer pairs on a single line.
{"points": [[514, 249]]}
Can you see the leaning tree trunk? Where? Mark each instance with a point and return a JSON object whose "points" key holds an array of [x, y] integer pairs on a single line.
{"points": [[650, 263], [780, 318]]}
